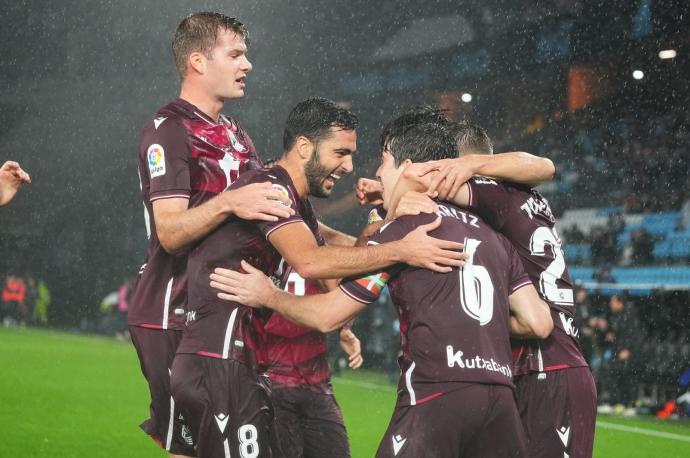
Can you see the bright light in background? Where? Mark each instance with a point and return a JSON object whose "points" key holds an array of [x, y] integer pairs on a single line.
{"points": [[638, 74], [667, 54], [467, 98]]}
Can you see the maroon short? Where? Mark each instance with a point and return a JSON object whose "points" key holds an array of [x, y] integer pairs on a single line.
{"points": [[558, 410], [475, 421], [309, 424], [227, 405], [156, 350]]}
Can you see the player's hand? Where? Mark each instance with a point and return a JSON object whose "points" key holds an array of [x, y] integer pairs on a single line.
{"points": [[252, 288], [414, 203], [259, 201], [11, 177], [351, 345], [369, 192], [449, 176], [421, 250]]}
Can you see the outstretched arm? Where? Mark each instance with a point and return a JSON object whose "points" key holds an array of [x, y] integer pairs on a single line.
{"points": [[323, 312], [11, 177], [451, 174]]}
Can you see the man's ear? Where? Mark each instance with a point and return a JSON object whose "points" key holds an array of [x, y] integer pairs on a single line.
{"points": [[406, 163], [197, 61], [305, 147]]}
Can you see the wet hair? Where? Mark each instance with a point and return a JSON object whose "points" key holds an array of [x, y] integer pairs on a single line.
{"points": [[472, 139], [198, 32], [423, 142], [313, 118], [415, 115]]}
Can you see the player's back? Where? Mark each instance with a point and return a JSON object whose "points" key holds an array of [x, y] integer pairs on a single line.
{"points": [[524, 216], [455, 326]]}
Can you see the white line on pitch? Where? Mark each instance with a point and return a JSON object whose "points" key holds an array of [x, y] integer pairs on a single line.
{"points": [[648, 432]]}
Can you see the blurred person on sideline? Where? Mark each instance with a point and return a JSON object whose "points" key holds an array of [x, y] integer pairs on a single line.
{"points": [[14, 301], [43, 300], [624, 334], [11, 178]]}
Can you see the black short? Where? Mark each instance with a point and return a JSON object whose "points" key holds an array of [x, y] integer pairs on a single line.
{"points": [[227, 405], [309, 424], [156, 350], [558, 410], [474, 421]]}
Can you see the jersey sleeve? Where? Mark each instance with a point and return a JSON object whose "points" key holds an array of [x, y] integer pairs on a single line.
{"points": [[490, 199], [166, 151], [368, 288], [517, 274]]}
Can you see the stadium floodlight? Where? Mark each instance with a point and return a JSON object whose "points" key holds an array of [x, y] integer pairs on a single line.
{"points": [[466, 97], [638, 74], [667, 54]]}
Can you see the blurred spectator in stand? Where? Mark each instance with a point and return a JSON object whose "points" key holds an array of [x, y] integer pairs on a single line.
{"points": [[642, 244], [573, 235], [583, 314], [14, 301], [624, 333], [604, 245], [604, 275], [11, 177]]}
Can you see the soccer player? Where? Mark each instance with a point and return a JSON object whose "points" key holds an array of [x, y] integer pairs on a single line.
{"points": [[308, 421], [216, 375], [455, 394], [11, 177], [555, 389], [188, 154]]}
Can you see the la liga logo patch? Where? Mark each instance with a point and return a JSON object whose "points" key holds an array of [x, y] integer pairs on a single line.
{"points": [[156, 158]]}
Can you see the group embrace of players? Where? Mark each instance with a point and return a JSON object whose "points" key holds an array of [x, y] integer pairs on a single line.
{"points": [[241, 280]]}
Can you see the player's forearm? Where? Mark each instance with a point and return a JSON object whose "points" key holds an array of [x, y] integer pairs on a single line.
{"points": [[314, 311], [518, 167], [339, 262], [335, 237], [532, 322], [521, 330], [179, 230]]}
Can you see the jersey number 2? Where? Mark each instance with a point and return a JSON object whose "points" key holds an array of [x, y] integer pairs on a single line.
{"points": [[542, 237]]}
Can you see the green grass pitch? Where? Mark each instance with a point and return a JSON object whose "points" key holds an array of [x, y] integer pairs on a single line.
{"points": [[65, 395]]}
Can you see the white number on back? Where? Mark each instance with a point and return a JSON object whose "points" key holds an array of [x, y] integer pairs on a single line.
{"points": [[476, 289], [542, 237], [247, 435]]}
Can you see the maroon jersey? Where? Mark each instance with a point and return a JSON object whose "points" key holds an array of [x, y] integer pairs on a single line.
{"points": [[454, 327], [524, 217], [297, 355], [228, 330], [182, 153]]}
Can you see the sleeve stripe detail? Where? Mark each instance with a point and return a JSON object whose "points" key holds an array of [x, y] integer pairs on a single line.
{"points": [[522, 285], [469, 186], [354, 296], [372, 242], [168, 196], [285, 223]]}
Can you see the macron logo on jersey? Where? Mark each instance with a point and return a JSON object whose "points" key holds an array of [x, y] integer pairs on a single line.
{"points": [[158, 121], [222, 421], [564, 434], [398, 443]]}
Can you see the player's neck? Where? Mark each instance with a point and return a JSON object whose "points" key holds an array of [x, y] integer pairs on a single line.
{"points": [[209, 105], [296, 171]]}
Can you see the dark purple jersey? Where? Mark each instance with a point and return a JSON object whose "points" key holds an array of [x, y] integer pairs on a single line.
{"points": [[184, 154], [228, 330], [454, 327], [296, 355], [525, 218]]}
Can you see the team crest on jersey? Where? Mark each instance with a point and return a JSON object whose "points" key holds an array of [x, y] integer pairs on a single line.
{"points": [[156, 159], [236, 143], [283, 192]]}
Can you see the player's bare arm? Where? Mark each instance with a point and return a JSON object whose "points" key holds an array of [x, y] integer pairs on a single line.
{"points": [[529, 314], [299, 248], [178, 226], [323, 312], [11, 178], [449, 175], [335, 237]]}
